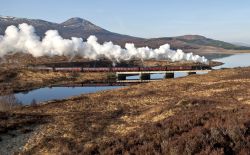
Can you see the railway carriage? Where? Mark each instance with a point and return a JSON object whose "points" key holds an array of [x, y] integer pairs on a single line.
{"points": [[41, 68], [68, 69], [98, 69], [124, 69], [152, 68], [178, 68]]}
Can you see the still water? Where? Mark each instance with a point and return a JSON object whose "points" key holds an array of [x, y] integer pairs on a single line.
{"points": [[238, 60], [53, 93]]}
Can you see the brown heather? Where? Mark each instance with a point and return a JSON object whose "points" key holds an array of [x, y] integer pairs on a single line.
{"points": [[199, 114]]}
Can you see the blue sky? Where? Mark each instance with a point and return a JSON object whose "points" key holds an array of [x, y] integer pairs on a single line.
{"points": [[227, 20]]}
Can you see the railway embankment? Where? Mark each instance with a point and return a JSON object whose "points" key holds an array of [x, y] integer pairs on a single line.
{"points": [[205, 114]]}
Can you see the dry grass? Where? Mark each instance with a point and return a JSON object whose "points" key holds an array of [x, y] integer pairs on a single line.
{"points": [[203, 114]]}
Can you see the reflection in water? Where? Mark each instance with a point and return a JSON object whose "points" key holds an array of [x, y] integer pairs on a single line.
{"points": [[157, 76], [8, 102], [161, 76], [55, 93]]}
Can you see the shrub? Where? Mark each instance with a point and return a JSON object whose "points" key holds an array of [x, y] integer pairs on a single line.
{"points": [[8, 102]]}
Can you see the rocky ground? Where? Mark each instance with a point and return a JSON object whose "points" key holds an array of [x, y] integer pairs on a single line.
{"points": [[198, 114], [16, 129]]}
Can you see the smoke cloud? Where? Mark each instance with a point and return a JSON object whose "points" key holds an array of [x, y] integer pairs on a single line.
{"points": [[23, 39]]}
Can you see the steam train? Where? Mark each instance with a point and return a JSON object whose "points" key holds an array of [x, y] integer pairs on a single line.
{"points": [[117, 69]]}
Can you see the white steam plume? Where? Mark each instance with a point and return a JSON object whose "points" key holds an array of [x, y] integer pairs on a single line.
{"points": [[23, 39]]}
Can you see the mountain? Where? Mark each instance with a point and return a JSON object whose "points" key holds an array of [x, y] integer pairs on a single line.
{"points": [[73, 27], [78, 27]]}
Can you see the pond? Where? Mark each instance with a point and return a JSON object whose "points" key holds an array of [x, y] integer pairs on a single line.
{"points": [[53, 93]]}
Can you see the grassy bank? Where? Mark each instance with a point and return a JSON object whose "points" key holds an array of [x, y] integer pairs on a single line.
{"points": [[15, 80]]}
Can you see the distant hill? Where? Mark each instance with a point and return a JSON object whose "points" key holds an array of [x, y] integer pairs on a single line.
{"points": [[200, 40], [192, 42], [78, 27], [241, 44]]}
